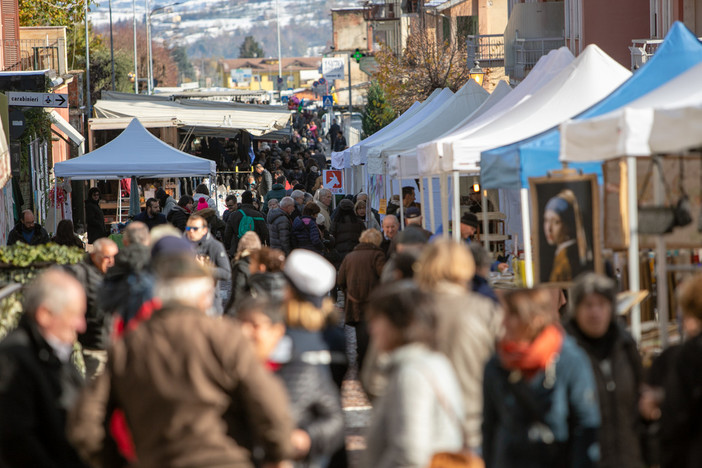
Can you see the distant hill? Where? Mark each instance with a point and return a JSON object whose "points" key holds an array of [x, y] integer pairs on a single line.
{"points": [[216, 28]]}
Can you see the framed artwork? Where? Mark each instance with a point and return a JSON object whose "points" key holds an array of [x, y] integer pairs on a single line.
{"points": [[565, 227]]}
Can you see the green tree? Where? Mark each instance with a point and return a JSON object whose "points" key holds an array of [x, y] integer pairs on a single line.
{"points": [[51, 12], [378, 112], [250, 48]]}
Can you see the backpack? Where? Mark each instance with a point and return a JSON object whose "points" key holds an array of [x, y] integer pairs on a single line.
{"points": [[247, 223]]}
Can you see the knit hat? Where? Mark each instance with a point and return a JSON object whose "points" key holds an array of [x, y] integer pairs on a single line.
{"points": [[310, 274], [171, 245], [247, 197], [470, 219]]}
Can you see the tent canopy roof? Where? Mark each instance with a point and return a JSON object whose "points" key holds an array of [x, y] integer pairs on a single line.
{"points": [[537, 156], [135, 152], [214, 115]]}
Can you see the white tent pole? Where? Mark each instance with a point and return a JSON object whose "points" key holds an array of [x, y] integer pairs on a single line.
{"points": [[443, 182], [432, 220], [486, 228], [634, 264], [422, 207], [661, 274], [526, 227], [456, 206]]}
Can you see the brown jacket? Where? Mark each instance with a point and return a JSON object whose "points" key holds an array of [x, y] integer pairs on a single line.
{"points": [[358, 275], [193, 393]]}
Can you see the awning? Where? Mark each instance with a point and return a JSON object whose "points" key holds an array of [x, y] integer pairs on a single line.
{"points": [[74, 135]]}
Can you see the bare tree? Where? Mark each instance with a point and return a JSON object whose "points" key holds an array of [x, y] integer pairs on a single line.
{"points": [[424, 66]]}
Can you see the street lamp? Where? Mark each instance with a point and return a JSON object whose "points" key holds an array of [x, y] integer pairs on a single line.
{"points": [[150, 81], [476, 73]]}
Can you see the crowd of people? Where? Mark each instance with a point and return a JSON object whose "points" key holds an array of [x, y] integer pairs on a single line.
{"points": [[181, 370]]}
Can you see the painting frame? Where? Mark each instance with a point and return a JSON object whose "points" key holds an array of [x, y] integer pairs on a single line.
{"points": [[572, 244]]}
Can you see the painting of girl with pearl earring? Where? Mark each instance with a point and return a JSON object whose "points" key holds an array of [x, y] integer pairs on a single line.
{"points": [[565, 227]]}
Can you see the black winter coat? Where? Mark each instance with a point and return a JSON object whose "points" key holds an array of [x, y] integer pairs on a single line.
{"points": [[681, 421], [618, 378], [40, 235], [305, 234], [231, 232], [279, 229], [314, 399], [346, 229], [240, 283], [178, 217], [95, 220], [96, 334], [36, 391]]}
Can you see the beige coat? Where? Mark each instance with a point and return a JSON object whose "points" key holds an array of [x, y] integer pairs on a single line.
{"points": [[468, 326], [193, 394]]}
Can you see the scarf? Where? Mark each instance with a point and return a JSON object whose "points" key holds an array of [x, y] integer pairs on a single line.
{"points": [[530, 358]]}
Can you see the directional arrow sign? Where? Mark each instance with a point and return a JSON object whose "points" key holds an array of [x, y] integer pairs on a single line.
{"points": [[27, 99]]}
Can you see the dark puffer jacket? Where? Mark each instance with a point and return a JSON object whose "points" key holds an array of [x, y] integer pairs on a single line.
{"points": [[231, 233], [618, 375], [315, 403], [279, 229], [305, 235], [346, 229], [276, 193], [96, 334], [178, 216], [40, 235]]}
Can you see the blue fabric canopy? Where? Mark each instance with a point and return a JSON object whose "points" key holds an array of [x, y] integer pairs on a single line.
{"points": [[511, 166], [134, 153]]}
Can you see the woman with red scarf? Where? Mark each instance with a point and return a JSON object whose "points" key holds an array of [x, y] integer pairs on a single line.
{"points": [[540, 400]]}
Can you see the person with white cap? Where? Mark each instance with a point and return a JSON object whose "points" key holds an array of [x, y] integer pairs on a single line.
{"points": [[306, 361]]}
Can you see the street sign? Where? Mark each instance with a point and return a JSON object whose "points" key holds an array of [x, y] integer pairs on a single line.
{"points": [[27, 99], [334, 181], [333, 68], [327, 101]]}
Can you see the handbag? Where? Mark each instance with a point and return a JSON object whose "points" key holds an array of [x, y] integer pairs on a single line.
{"points": [[464, 458], [661, 219]]}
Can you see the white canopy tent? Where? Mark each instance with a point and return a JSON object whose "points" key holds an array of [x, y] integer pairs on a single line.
{"points": [[544, 71], [342, 159], [665, 121], [134, 153], [212, 115], [584, 82], [360, 151]]}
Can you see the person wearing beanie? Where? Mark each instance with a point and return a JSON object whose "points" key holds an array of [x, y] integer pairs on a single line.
{"points": [[469, 226], [156, 378], [616, 364], [253, 220]]}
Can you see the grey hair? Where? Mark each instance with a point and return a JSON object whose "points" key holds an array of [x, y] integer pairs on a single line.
{"points": [[184, 291], [48, 289], [101, 243], [308, 198], [297, 194], [137, 232], [480, 255], [592, 283], [322, 192], [287, 202], [273, 203]]}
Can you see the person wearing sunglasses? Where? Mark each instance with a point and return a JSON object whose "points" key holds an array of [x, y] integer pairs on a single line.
{"points": [[211, 253]]}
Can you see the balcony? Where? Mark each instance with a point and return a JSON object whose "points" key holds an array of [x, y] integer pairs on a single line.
{"points": [[382, 11], [528, 51], [488, 49], [38, 55]]}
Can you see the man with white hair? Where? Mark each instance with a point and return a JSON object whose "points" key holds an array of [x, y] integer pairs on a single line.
{"points": [[391, 226], [280, 225], [191, 387], [323, 198], [38, 382], [299, 197]]}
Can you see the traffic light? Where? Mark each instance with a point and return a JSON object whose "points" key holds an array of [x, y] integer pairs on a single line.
{"points": [[131, 76], [358, 55]]}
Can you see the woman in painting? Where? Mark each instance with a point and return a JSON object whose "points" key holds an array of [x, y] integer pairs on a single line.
{"points": [[563, 229]]}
